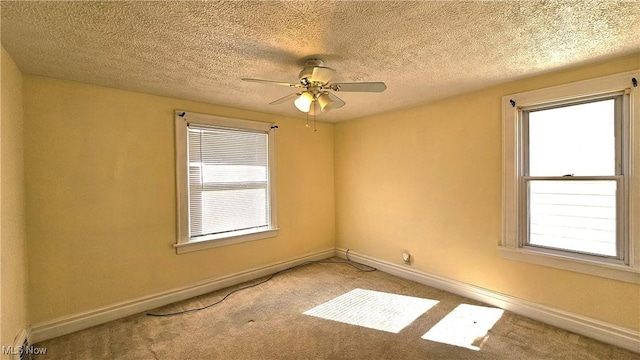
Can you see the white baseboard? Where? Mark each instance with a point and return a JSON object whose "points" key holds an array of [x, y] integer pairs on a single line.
{"points": [[599, 330], [69, 324], [595, 329]]}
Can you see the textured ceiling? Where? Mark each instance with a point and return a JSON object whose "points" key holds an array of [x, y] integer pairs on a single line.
{"points": [[422, 50]]}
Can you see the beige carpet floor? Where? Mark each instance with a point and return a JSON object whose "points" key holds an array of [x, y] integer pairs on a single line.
{"points": [[267, 322]]}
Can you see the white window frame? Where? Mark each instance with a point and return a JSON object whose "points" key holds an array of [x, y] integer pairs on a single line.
{"points": [[513, 245], [184, 243]]}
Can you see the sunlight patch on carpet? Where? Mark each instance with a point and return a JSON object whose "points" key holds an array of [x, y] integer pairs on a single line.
{"points": [[373, 309], [465, 326]]}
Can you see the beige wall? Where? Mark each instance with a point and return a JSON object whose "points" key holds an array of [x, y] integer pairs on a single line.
{"points": [[100, 184], [428, 179], [13, 278]]}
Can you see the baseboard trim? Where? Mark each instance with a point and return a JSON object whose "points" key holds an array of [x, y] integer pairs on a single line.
{"points": [[599, 330], [69, 324], [595, 329]]}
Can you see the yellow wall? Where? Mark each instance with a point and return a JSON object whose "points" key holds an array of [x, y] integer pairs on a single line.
{"points": [[428, 179], [13, 278], [101, 212], [100, 197]]}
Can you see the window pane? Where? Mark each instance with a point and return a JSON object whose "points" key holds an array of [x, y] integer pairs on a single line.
{"points": [[573, 215], [215, 212], [576, 139], [234, 173]]}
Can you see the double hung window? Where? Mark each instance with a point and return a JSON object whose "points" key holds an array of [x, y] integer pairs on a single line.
{"points": [[573, 177], [570, 187]]}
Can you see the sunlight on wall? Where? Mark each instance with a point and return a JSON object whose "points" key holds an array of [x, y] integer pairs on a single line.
{"points": [[373, 309], [465, 326]]}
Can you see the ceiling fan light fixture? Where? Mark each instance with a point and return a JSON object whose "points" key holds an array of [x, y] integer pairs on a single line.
{"points": [[325, 102], [316, 95], [303, 102]]}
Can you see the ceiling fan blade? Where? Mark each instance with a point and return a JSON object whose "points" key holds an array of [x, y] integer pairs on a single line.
{"points": [[272, 82], [284, 99], [359, 87], [337, 102]]}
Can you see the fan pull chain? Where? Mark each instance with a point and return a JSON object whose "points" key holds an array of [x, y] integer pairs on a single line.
{"points": [[314, 116], [307, 125]]}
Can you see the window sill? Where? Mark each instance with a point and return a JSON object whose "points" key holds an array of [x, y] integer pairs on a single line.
{"points": [[606, 270], [214, 242]]}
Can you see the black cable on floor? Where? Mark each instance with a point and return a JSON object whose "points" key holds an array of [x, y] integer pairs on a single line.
{"points": [[348, 262]]}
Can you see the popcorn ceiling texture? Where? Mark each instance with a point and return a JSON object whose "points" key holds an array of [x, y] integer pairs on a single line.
{"points": [[422, 50]]}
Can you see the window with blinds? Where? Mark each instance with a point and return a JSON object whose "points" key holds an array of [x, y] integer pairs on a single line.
{"points": [[225, 181], [228, 180]]}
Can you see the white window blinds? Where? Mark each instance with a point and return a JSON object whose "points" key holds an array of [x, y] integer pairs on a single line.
{"points": [[228, 180]]}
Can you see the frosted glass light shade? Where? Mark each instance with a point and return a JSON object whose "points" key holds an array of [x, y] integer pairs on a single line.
{"points": [[325, 102], [303, 102]]}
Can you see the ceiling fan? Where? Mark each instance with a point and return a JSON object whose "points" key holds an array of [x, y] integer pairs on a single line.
{"points": [[315, 95]]}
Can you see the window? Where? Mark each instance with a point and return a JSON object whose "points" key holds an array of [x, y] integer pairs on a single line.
{"points": [[570, 189], [225, 179], [573, 177]]}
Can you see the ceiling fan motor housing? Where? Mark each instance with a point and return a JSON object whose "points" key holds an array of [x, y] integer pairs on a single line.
{"points": [[315, 72]]}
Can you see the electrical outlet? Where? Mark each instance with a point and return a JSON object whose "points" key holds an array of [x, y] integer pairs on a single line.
{"points": [[406, 257]]}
